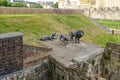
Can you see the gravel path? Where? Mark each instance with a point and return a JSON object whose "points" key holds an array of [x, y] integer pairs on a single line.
{"points": [[99, 25]]}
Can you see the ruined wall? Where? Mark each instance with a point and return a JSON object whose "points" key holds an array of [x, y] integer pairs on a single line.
{"points": [[104, 13], [36, 72], [84, 70], [87, 69], [11, 53], [13, 65], [111, 62], [58, 71], [105, 65]]}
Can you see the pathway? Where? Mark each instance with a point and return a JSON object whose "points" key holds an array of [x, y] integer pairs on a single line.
{"points": [[99, 25]]}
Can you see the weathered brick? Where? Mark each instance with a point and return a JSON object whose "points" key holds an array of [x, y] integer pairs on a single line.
{"points": [[11, 52]]}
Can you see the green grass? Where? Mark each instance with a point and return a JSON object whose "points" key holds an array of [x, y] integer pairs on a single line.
{"points": [[110, 23], [34, 26]]}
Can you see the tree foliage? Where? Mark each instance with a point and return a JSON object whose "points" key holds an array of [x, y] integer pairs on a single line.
{"points": [[55, 5], [5, 3], [19, 4], [36, 6]]}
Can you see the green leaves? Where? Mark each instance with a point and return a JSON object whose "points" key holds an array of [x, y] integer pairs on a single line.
{"points": [[36, 6], [19, 4], [55, 5], [5, 3]]}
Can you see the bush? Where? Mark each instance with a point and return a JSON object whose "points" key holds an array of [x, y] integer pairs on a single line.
{"points": [[55, 5], [36, 6], [19, 4], [5, 3]]}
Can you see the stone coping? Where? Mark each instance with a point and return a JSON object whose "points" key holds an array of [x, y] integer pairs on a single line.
{"points": [[11, 34]]}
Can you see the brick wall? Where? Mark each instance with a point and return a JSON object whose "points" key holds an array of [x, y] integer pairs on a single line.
{"points": [[29, 51], [11, 52], [33, 54], [13, 10]]}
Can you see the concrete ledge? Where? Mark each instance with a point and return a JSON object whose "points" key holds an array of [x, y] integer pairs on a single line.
{"points": [[73, 52], [12, 34]]}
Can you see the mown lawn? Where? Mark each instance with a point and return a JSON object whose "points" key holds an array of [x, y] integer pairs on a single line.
{"points": [[110, 23], [34, 26]]}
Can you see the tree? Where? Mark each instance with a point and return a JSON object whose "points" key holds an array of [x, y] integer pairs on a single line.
{"points": [[19, 4], [55, 5], [36, 6], [5, 3]]}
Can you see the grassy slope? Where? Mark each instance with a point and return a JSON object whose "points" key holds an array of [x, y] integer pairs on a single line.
{"points": [[34, 26], [110, 23]]}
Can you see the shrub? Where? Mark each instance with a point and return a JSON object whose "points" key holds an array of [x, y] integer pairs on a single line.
{"points": [[36, 6], [19, 4], [55, 5]]}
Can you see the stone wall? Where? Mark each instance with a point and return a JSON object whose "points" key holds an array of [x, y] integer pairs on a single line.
{"points": [[11, 53], [104, 13], [58, 71], [36, 72], [111, 62], [85, 70]]}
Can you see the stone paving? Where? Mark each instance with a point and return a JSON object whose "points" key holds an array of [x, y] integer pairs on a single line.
{"points": [[73, 52]]}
